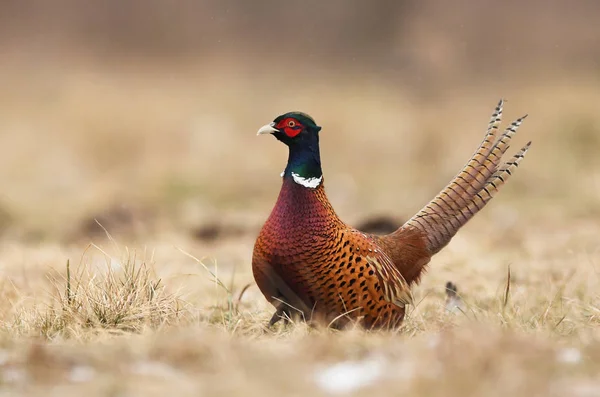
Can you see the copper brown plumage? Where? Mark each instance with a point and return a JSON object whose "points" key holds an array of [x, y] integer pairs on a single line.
{"points": [[307, 261]]}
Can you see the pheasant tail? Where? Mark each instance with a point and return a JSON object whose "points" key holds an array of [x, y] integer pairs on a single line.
{"points": [[470, 190]]}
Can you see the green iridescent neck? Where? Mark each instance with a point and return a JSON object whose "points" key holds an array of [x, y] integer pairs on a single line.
{"points": [[304, 161]]}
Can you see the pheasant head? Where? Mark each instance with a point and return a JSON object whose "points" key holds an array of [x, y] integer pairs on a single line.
{"points": [[299, 132]]}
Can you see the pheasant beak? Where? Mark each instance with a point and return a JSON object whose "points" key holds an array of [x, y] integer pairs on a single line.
{"points": [[267, 129]]}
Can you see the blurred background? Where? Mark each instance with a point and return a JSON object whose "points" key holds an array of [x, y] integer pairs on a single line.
{"points": [[143, 114]]}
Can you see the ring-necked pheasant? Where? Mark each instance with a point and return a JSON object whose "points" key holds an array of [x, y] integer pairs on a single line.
{"points": [[307, 261]]}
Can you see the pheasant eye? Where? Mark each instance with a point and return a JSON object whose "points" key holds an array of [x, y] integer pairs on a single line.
{"points": [[290, 127]]}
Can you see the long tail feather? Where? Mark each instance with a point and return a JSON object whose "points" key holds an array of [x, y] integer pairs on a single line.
{"points": [[472, 188], [463, 182]]}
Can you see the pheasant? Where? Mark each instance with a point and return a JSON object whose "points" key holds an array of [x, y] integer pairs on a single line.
{"points": [[306, 261]]}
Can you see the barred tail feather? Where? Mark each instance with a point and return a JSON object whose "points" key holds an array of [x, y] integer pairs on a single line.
{"points": [[472, 188], [466, 181], [496, 181]]}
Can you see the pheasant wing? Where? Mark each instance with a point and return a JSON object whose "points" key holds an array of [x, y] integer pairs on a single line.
{"points": [[395, 288]]}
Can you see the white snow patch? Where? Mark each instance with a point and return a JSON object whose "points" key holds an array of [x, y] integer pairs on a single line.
{"points": [[433, 341], [81, 374], [455, 305], [569, 355], [348, 376]]}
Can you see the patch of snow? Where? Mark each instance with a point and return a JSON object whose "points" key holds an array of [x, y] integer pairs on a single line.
{"points": [[433, 341], [569, 355], [348, 376], [81, 374], [455, 305]]}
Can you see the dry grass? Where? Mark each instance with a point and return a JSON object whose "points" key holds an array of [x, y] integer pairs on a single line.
{"points": [[169, 323]]}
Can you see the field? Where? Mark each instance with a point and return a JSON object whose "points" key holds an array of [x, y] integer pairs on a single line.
{"points": [[134, 186]]}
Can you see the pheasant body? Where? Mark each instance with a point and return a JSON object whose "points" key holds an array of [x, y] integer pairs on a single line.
{"points": [[319, 266], [307, 261]]}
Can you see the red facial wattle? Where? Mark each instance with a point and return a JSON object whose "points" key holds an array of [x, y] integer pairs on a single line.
{"points": [[290, 127]]}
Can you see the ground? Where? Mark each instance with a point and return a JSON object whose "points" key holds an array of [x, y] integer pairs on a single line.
{"points": [[120, 328]]}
